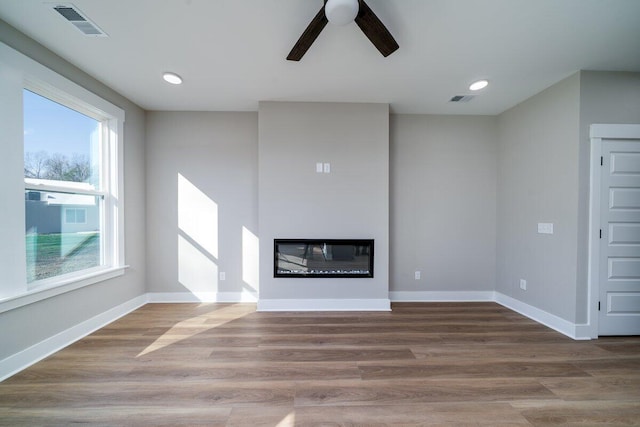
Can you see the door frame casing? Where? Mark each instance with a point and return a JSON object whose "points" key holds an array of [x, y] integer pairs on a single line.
{"points": [[598, 133]]}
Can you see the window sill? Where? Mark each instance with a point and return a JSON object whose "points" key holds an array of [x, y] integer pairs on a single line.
{"points": [[58, 288]]}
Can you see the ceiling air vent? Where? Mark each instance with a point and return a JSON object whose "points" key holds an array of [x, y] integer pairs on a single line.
{"points": [[462, 98], [79, 20]]}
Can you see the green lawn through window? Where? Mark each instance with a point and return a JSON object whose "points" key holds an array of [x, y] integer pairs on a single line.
{"points": [[54, 254]]}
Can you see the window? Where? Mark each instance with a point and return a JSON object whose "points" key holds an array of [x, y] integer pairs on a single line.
{"points": [[69, 255], [70, 176], [75, 216]]}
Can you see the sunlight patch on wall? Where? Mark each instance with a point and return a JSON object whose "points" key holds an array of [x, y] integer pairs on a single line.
{"points": [[196, 271], [250, 251], [197, 216], [197, 240]]}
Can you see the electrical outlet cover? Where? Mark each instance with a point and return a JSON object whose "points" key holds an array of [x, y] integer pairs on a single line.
{"points": [[545, 228]]}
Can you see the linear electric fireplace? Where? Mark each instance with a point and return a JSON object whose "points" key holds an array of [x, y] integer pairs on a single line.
{"points": [[323, 258]]}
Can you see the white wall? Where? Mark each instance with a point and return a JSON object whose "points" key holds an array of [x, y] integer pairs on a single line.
{"points": [[202, 175], [443, 204], [352, 202], [23, 327], [538, 182]]}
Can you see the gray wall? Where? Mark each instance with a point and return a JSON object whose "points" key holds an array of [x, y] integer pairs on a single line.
{"points": [[543, 176], [350, 202], [23, 327], [538, 182], [605, 97], [443, 203], [204, 165], [442, 196]]}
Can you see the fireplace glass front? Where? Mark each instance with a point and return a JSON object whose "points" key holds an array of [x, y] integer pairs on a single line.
{"points": [[323, 258]]}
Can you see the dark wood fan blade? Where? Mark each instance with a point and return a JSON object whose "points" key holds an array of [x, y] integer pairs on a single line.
{"points": [[375, 30], [308, 37]]}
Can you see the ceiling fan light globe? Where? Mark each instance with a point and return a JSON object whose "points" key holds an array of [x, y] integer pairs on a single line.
{"points": [[341, 12]]}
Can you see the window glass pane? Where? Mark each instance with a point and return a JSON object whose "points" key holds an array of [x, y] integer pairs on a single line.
{"points": [[60, 144], [70, 216], [81, 216], [62, 233]]}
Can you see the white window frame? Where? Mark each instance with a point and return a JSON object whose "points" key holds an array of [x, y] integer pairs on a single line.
{"points": [[45, 82]]}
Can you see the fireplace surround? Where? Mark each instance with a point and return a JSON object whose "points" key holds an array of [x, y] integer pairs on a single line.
{"points": [[323, 258]]}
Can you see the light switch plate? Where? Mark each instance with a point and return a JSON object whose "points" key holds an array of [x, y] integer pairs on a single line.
{"points": [[545, 228], [319, 167], [327, 168]]}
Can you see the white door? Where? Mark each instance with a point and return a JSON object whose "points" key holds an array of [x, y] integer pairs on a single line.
{"points": [[619, 284]]}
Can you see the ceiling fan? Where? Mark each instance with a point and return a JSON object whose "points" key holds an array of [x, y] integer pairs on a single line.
{"points": [[342, 12]]}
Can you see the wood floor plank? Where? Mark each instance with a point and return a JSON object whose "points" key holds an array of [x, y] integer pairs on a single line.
{"points": [[513, 336], [618, 387], [458, 414], [420, 364], [181, 394], [472, 370], [57, 373], [439, 414], [291, 354], [132, 415], [354, 328], [542, 351], [263, 417], [246, 372], [621, 346], [610, 366], [561, 413], [428, 391], [388, 340]]}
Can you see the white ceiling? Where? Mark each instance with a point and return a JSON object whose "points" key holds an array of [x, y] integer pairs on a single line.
{"points": [[231, 53]]}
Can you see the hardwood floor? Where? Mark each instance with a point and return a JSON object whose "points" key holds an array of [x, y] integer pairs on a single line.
{"points": [[421, 364]]}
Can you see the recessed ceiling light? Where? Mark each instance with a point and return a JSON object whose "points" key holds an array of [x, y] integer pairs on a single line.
{"points": [[480, 84], [172, 78]]}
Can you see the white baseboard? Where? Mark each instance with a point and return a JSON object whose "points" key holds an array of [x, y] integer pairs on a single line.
{"points": [[27, 357], [441, 296], [584, 331], [186, 297], [381, 304], [572, 330], [575, 331]]}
